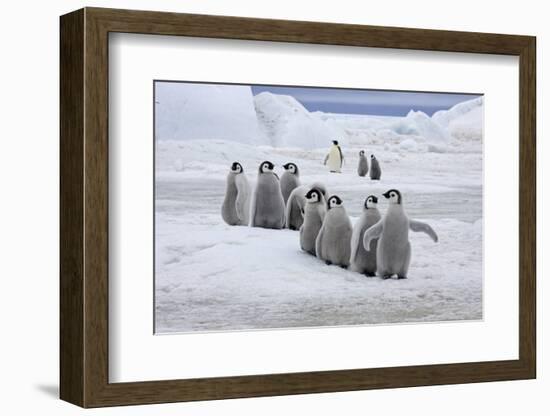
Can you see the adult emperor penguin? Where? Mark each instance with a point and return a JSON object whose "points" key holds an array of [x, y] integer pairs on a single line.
{"points": [[314, 213], [294, 211], [333, 244], [290, 180], [363, 166], [393, 253], [363, 261], [375, 171], [334, 158], [236, 204], [268, 207]]}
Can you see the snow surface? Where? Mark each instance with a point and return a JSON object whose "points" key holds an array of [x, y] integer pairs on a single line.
{"points": [[211, 276]]}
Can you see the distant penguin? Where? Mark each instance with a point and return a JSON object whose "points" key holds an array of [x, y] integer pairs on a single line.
{"points": [[236, 204], [334, 158], [375, 171], [268, 207], [294, 211], [363, 167], [290, 180], [363, 261], [333, 244], [314, 213], [393, 254]]}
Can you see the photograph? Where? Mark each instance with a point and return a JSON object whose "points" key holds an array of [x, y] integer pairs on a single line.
{"points": [[291, 207]]}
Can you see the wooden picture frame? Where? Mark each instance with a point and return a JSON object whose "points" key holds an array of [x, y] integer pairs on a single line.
{"points": [[84, 207]]}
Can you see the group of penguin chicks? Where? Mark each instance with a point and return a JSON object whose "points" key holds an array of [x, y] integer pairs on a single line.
{"points": [[363, 166], [335, 159], [376, 245]]}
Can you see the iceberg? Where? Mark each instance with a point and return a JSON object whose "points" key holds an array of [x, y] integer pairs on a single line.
{"points": [[186, 111], [287, 123]]}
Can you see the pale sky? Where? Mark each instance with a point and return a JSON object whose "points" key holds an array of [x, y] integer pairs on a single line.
{"points": [[373, 102]]}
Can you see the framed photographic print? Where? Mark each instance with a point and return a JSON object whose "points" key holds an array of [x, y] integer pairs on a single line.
{"points": [[256, 207]]}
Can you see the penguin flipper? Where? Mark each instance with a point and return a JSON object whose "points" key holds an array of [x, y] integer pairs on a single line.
{"points": [[288, 207], [373, 232], [252, 209], [243, 198], [419, 226], [355, 241], [341, 156], [322, 212], [318, 242]]}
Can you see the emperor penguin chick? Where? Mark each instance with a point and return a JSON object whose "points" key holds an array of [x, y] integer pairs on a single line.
{"points": [[289, 180], [294, 211], [363, 261], [333, 244], [363, 166], [236, 204], [268, 207], [314, 213], [393, 253], [375, 171]]}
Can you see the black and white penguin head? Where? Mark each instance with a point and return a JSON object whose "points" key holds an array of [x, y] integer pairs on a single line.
{"points": [[371, 202], [320, 187], [362, 153], [291, 167], [236, 167], [266, 167], [372, 157], [335, 142], [334, 201], [314, 195], [393, 195]]}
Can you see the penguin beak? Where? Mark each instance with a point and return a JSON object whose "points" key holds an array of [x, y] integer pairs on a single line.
{"points": [[386, 195]]}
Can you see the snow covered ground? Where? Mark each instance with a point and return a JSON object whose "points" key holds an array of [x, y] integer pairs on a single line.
{"points": [[211, 276]]}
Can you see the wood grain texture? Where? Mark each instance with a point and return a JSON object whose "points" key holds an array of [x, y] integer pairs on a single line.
{"points": [[84, 207], [71, 185], [96, 208], [528, 207], [162, 23]]}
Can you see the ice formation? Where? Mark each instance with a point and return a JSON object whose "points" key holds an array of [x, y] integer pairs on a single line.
{"points": [[211, 112]]}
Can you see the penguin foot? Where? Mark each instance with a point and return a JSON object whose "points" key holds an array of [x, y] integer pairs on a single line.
{"points": [[386, 277], [370, 274], [293, 228], [401, 277], [328, 262], [343, 266]]}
